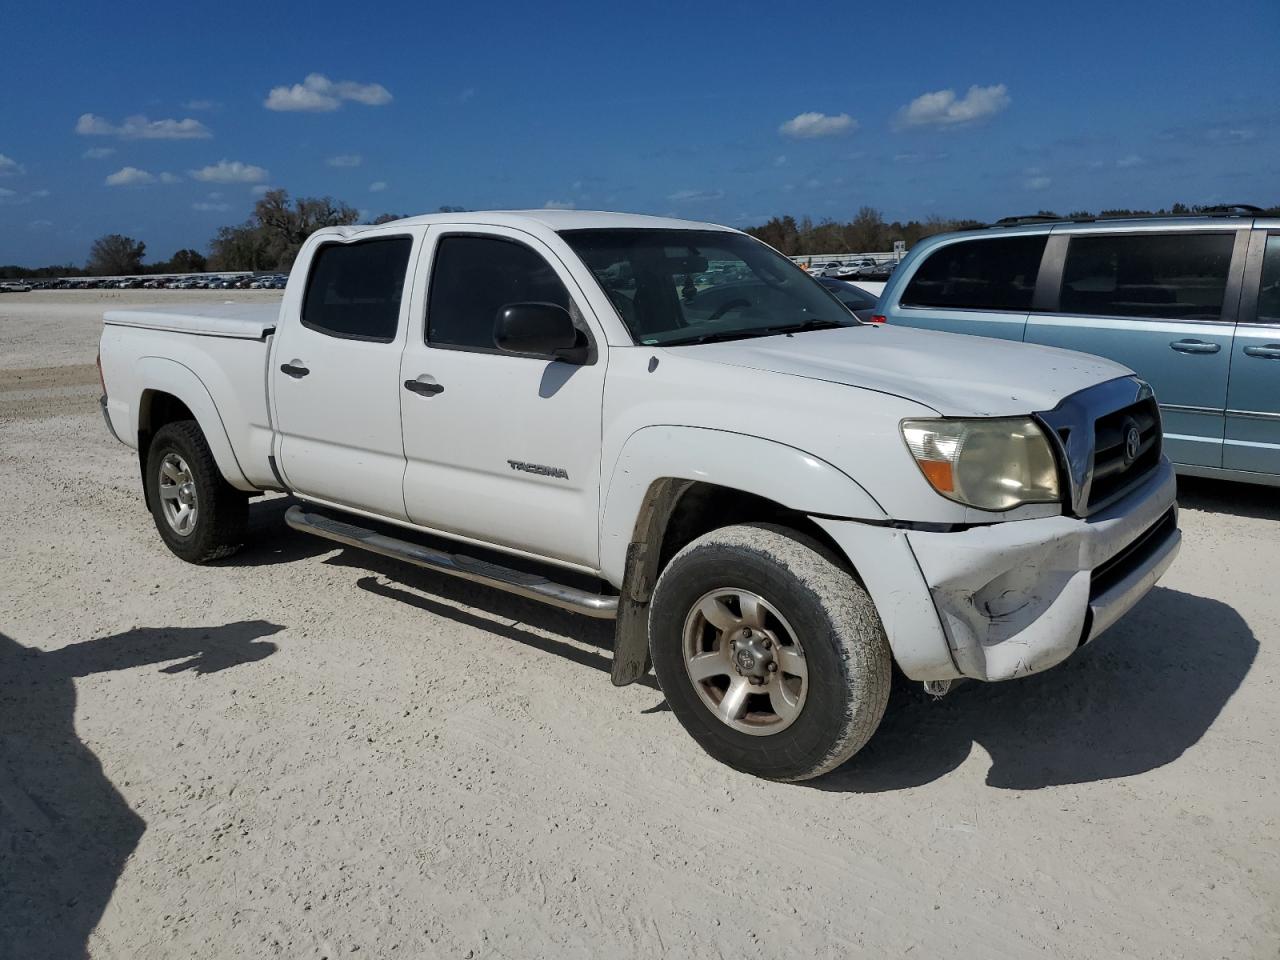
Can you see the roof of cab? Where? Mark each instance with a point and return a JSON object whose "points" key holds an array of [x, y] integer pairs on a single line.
{"points": [[547, 219]]}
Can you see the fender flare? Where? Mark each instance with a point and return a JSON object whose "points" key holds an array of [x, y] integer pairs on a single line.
{"points": [[786, 475], [164, 375]]}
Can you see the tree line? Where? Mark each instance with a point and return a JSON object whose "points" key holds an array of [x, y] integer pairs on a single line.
{"points": [[273, 234], [868, 232]]}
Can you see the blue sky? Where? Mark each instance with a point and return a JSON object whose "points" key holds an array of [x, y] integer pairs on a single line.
{"points": [[148, 120]]}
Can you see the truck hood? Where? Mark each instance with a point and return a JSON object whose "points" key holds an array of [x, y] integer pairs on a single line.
{"points": [[956, 375]]}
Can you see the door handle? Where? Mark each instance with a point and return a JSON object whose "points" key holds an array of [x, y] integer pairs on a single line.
{"points": [[1270, 352], [1195, 346], [295, 369], [425, 385]]}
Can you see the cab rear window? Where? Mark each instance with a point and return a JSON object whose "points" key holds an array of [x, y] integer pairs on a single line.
{"points": [[995, 274]]}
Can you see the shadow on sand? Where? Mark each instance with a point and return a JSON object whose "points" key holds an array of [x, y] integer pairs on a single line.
{"points": [[65, 831], [1133, 700]]}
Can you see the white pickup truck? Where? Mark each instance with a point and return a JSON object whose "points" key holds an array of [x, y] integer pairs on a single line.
{"points": [[775, 501]]}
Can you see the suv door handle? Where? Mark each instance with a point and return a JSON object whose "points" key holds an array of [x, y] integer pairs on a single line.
{"points": [[295, 369], [1195, 346], [425, 385], [1270, 352]]}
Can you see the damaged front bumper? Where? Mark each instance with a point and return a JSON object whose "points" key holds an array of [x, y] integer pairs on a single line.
{"points": [[1019, 597]]}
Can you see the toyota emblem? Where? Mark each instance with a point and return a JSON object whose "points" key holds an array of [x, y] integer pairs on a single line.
{"points": [[1132, 444]]}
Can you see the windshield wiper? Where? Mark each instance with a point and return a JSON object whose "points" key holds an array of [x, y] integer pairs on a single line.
{"points": [[787, 328]]}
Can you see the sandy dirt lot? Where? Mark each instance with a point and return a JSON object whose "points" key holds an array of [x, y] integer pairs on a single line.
{"points": [[311, 752]]}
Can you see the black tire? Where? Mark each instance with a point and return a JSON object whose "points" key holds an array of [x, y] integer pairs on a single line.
{"points": [[223, 511], [848, 663]]}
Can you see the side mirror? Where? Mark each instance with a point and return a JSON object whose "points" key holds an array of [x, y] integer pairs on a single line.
{"points": [[540, 330]]}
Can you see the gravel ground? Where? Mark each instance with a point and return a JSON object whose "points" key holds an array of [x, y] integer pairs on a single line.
{"points": [[310, 752]]}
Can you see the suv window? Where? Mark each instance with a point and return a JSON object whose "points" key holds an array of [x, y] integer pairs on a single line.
{"points": [[1269, 293], [354, 289], [1175, 275], [995, 274], [475, 277]]}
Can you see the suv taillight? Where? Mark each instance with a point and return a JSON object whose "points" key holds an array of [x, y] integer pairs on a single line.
{"points": [[877, 318]]}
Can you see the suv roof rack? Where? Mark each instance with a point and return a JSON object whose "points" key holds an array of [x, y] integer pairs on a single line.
{"points": [[1217, 210]]}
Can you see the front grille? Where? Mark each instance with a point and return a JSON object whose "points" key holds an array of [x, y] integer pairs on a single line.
{"points": [[1106, 575], [1116, 468]]}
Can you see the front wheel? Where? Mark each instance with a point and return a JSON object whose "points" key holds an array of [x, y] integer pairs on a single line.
{"points": [[199, 515], [770, 654]]}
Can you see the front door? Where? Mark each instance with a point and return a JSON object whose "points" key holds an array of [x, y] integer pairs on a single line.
{"points": [[1253, 396], [1157, 303], [335, 375], [501, 448]]}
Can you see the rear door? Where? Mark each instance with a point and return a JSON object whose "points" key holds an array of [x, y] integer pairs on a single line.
{"points": [[1253, 395], [981, 286], [335, 374], [1162, 303]]}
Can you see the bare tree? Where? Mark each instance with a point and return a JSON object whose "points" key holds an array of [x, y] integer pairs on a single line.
{"points": [[115, 254]]}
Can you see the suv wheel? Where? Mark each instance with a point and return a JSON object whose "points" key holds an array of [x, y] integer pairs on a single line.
{"points": [[770, 654]]}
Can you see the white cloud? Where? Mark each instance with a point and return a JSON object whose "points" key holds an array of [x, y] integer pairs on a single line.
{"points": [[210, 207], [558, 205], [1132, 160], [260, 189], [39, 194], [9, 166], [808, 125], [466, 94], [1040, 182], [140, 128], [318, 94], [943, 108], [693, 196], [229, 171], [345, 160], [98, 153], [5, 193], [780, 160], [377, 186], [40, 224], [167, 177], [129, 177]]}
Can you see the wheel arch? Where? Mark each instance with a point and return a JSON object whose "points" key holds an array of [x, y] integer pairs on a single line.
{"points": [[174, 392]]}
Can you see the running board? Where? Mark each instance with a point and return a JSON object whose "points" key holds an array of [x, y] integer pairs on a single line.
{"points": [[529, 585]]}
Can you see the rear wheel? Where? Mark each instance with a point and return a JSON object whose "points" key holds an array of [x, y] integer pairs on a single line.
{"points": [[770, 654], [199, 515]]}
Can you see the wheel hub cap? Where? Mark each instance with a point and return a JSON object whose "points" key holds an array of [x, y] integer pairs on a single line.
{"points": [[178, 499], [745, 662]]}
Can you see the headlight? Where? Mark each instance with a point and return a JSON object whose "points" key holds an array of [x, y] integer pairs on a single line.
{"points": [[991, 464]]}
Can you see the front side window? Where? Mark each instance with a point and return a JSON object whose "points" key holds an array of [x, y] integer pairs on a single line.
{"points": [[354, 289], [475, 277], [675, 287], [987, 274], [1269, 293], [1176, 276]]}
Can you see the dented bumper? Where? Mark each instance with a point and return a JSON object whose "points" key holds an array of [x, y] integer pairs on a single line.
{"points": [[1019, 597]]}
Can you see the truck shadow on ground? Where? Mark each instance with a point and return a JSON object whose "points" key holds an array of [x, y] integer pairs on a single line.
{"points": [[1133, 700], [513, 618], [65, 831]]}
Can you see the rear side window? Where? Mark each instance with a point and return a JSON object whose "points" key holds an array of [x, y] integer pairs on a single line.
{"points": [[1179, 276], [1269, 293], [354, 289], [475, 277], [996, 274]]}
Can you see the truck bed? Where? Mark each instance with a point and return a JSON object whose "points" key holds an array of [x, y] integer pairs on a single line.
{"points": [[242, 321]]}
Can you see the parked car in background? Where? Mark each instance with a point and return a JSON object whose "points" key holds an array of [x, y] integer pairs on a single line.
{"points": [[1191, 303], [15, 286], [860, 302]]}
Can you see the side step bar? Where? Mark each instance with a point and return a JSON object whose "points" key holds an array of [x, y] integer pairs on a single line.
{"points": [[529, 585]]}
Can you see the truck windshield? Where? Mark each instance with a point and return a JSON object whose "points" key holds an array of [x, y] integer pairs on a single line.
{"points": [[676, 287]]}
